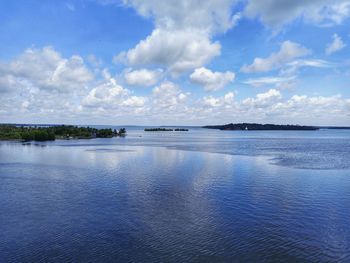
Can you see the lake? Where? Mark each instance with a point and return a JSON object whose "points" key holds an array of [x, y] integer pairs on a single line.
{"points": [[196, 196]]}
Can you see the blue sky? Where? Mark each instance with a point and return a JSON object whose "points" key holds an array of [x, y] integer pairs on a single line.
{"points": [[175, 62]]}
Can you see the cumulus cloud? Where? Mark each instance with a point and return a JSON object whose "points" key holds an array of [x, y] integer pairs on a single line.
{"points": [[8, 82], [288, 51], [209, 15], [94, 61], [134, 101], [142, 77], [42, 84], [168, 96], [263, 100], [336, 45], [179, 50], [106, 99], [46, 69], [270, 106], [227, 100], [275, 13], [211, 81], [109, 94], [319, 108], [182, 38]]}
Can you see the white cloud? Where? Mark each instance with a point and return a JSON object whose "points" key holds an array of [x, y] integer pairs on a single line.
{"points": [[168, 95], [333, 12], [288, 75], [258, 82], [46, 69], [229, 97], [209, 15], [8, 82], [211, 81], [134, 101], [293, 67], [43, 85], [179, 50], [106, 94], [336, 45], [308, 109], [317, 63], [94, 61], [168, 102], [211, 101], [48, 87], [271, 107], [142, 77], [263, 100], [288, 51], [109, 94], [227, 100], [276, 13], [182, 38]]}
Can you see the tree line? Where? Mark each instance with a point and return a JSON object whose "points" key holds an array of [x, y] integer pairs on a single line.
{"points": [[164, 129], [50, 133]]}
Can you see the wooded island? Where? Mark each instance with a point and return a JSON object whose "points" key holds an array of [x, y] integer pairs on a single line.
{"points": [[261, 127], [50, 133], [164, 129]]}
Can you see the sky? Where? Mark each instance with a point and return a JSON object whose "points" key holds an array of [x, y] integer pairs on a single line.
{"points": [[175, 62]]}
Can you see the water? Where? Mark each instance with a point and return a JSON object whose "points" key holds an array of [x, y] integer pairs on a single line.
{"points": [[197, 196]]}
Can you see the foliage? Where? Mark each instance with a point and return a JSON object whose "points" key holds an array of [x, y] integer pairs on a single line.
{"points": [[164, 129], [49, 133], [256, 127], [157, 129], [104, 133], [122, 131]]}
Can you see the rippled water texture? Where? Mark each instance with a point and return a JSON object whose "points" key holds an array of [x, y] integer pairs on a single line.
{"points": [[201, 196]]}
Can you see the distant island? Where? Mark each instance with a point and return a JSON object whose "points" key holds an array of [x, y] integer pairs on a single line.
{"points": [[164, 129], [50, 133], [260, 127]]}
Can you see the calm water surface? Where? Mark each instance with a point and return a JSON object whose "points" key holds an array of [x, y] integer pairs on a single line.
{"points": [[197, 196]]}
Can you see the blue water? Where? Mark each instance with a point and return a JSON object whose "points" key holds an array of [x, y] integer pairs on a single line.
{"points": [[197, 196]]}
